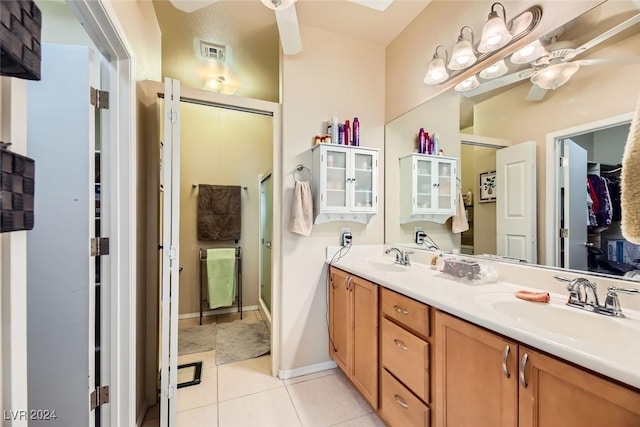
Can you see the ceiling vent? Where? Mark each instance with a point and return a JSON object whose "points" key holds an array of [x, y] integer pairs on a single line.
{"points": [[212, 51]]}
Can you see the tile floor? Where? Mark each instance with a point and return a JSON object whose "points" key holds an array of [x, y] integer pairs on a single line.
{"points": [[244, 393]]}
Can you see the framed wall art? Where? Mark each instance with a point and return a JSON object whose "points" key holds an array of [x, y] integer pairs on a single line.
{"points": [[488, 187]]}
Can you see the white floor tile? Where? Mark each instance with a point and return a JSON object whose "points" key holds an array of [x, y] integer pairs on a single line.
{"points": [[369, 420], [208, 358], [246, 377], [205, 416], [205, 393], [309, 377], [327, 401], [270, 408]]}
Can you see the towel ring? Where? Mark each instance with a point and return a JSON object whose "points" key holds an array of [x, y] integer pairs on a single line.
{"points": [[297, 173]]}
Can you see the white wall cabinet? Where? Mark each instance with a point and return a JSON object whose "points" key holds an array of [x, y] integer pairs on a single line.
{"points": [[345, 183], [427, 188]]}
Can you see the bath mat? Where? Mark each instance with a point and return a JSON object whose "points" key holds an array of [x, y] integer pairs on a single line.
{"points": [[241, 340], [196, 339]]}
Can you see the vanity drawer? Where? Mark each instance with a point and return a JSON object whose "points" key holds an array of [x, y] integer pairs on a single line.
{"points": [[407, 357], [398, 406], [406, 311]]}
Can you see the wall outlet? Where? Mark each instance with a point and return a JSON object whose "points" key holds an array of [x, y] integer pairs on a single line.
{"points": [[345, 236], [420, 235]]}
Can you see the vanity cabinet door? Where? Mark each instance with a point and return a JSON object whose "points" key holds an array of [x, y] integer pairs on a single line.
{"points": [[555, 393], [339, 319], [472, 387], [364, 369]]}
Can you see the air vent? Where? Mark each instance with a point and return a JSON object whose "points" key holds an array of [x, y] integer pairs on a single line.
{"points": [[212, 51]]}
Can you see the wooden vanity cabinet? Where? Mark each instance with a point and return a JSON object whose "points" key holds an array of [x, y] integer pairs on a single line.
{"points": [[353, 330], [478, 384], [405, 357], [560, 394]]}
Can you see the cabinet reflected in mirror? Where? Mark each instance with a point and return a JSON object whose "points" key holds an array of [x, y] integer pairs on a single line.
{"points": [[599, 90]]}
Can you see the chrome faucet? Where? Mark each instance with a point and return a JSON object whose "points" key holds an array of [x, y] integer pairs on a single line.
{"points": [[589, 299], [402, 258]]}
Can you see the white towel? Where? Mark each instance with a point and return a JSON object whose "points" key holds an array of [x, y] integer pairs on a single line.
{"points": [[460, 222], [630, 179], [301, 219]]}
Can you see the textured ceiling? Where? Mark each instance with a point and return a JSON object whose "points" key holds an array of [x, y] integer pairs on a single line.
{"points": [[248, 29]]}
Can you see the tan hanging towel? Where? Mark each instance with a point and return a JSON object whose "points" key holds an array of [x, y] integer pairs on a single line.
{"points": [[460, 222], [631, 182], [301, 218]]}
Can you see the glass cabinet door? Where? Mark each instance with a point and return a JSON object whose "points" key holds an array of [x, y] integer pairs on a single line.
{"points": [[445, 185], [424, 185], [336, 183], [363, 181]]}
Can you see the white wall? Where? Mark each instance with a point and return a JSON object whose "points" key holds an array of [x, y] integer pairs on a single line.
{"points": [[608, 144], [13, 265], [333, 76], [59, 25]]}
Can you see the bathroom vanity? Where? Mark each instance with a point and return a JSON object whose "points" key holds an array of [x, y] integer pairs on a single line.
{"points": [[452, 354]]}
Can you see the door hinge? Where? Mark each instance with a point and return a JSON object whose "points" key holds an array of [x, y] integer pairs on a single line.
{"points": [[564, 161], [564, 233], [99, 246], [173, 253], [99, 98], [99, 396], [173, 116]]}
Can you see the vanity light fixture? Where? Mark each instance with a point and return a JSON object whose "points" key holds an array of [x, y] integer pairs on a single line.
{"points": [[496, 70], [494, 33], [463, 55], [468, 84], [555, 75], [528, 53], [278, 4], [436, 71]]}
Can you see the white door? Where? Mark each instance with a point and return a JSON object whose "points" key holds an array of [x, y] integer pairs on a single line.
{"points": [[516, 201], [61, 273], [573, 202], [169, 279]]}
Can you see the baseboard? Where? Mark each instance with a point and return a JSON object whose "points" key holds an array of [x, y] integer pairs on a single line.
{"points": [[145, 408], [306, 370], [226, 310]]}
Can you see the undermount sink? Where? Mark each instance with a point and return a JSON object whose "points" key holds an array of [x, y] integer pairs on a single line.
{"points": [[386, 266], [558, 318]]}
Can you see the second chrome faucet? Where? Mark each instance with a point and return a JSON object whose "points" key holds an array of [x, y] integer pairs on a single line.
{"points": [[402, 257], [582, 295]]}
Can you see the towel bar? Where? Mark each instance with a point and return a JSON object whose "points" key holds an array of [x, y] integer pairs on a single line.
{"points": [[244, 187], [202, 258]]}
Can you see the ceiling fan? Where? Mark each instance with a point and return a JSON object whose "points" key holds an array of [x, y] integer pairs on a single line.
{"points": [[286, 17], [553, 65]]}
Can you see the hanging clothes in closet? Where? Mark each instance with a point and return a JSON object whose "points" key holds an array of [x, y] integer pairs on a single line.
{"points": [[601, 208]]}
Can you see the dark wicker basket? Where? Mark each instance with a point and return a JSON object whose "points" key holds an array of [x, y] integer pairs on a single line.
{"points": [[17, 185], [20, 27]]}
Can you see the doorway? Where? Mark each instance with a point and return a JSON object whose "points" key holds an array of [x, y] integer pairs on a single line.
{"points": [[266, 237]]}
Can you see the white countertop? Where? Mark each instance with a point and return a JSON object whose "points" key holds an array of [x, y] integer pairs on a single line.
{"points": [[609, 346]]}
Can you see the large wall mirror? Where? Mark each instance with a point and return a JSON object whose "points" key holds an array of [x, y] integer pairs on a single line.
{"points": [[585, 120]]}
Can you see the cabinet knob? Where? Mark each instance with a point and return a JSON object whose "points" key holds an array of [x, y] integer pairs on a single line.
{"points": [[400, 310], [400, 344], [505, 356]]}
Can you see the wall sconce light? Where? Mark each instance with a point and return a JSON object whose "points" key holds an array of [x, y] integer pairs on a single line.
{"points": [[528, 53], [463, 55], [494, 33], [496, 70], [436, 71], [468, 84], [495, 36]]}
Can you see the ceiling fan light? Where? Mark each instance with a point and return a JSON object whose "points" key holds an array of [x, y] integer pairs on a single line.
{"points": [[495, 70], [528, 53], [494, 33], [278, 4], [463, 55], [554, 76], [468, 84], [436, 71]]}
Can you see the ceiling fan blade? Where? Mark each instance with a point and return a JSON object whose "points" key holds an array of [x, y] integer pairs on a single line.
{"points": [[380, 5], [289, 30], [189, 6], [598, 61], [499, 82], [536, 93], [608, 34]]}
